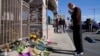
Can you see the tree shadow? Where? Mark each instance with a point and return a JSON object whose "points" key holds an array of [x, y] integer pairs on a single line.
{"points": [[97, 39], [69, 30], [70, 52], [64, 53], [58, 32], [63, 50]]}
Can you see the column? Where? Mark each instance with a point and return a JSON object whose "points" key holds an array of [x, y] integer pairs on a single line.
{"points": [[0, 16], [21, 19], [44, 26], [0, 22]]}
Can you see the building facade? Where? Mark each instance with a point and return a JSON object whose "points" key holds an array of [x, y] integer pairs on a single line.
{"points": [[20, 18], [12, 20]]}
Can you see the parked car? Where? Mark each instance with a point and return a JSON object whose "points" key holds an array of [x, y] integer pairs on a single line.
{"points": [[95, 26]]}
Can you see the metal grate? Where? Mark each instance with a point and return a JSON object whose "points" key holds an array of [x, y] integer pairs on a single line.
{"points": [[11, 18]]}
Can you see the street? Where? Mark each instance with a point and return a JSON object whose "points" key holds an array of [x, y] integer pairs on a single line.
{"points": [[90, 49]]}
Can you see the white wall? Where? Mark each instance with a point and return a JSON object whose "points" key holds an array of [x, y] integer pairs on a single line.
{"points": [[44, 27]]}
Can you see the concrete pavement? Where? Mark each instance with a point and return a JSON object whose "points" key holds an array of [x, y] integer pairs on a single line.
{"points": [[64, 46]]}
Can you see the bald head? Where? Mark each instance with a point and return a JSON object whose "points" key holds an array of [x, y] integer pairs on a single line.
{"points": [[71, 6]]}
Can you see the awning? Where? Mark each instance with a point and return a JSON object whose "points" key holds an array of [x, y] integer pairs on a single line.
{"points": [[36, 3], [52, 5]]}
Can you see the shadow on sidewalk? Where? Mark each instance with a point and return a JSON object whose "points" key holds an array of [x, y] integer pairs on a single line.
{"points": [[70, 52], [97, 39], [59, 32]]}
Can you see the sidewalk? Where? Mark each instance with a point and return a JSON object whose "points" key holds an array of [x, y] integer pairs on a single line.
{"points": [[64, 46]]}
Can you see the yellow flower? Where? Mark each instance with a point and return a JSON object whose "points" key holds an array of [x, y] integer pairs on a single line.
{"points": [[33, 35]]}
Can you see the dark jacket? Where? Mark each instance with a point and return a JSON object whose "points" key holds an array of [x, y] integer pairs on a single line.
{"points": [[63, 21], [76, 16], [57, 22], [60, 22]]}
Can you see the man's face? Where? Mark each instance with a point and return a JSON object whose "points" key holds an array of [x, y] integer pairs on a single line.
{"points": [[70, 7]]}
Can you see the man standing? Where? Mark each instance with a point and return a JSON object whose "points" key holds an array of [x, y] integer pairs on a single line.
{"points": [[61, 25], [57, 23], [63, 22], [77, 34]]}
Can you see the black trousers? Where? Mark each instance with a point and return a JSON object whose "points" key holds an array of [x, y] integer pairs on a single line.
{"points": [[63, 27], [77, 37]]}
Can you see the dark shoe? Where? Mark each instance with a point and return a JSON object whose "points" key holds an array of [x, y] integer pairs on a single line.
{"points": [[78, 53], [81, 53]]}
